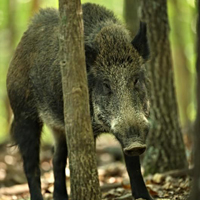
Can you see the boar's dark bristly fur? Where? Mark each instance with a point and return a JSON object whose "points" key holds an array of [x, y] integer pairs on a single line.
{"points": [[117, 87]]}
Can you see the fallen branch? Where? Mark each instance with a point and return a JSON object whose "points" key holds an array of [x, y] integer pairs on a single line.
{"points": [[179, 173], [125, 184], [110, 186]]}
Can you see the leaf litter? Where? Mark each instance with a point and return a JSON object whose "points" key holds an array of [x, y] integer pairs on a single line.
{"points": [[113, 177]]}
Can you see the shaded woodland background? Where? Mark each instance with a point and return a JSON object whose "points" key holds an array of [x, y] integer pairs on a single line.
{"points": [[14, 19], [15, 16]]}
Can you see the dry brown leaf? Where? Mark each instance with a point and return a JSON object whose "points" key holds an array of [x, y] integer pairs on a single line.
{"points": [[125, 197], [14, 190], [126, 184], [140, 199], [152, 190], [158, 178], [167, 186]]}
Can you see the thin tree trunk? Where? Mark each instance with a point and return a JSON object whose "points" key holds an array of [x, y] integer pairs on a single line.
{"points": [[11, 5], [166, 149], [35, 6], [183, 75], [195, 194], [131, 15], [80, 141]]}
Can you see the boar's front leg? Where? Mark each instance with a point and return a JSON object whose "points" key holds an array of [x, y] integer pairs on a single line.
{"points": [[138, 187], [59, 164]]}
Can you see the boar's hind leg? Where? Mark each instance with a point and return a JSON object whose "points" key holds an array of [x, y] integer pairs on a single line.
{"points": [[26, 132], [138, 187], [59, 164]]}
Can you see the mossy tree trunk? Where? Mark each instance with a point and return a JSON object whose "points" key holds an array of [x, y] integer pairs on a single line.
{"points": [[166, 148], [80, 141], [195, 194]]}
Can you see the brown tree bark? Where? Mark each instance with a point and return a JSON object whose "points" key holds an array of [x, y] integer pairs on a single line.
{"points": [[80, 141], [35, 6], [131, 15], [166, 149], [195, 194]]}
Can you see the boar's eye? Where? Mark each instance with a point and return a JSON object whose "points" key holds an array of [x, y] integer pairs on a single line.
{"points": [[106, 88], [137, 82]]}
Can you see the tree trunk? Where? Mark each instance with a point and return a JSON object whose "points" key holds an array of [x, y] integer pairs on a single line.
{"points": [[11, 5], [35, 6], [182, 74], [80, 141], [195, 194], [181, 65], [166, 149], [131, 15]]}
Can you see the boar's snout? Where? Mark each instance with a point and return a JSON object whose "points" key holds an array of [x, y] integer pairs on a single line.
{"points": [[135, 143], [132, 135], [135, 149]]}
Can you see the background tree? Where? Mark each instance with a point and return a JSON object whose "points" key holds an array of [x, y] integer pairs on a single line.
{"points": [[181, 64], [195, 194], [11, 6], [184, 79], [166, 149], [183, 17], [80, 141], [35, 6], [130, 13]]}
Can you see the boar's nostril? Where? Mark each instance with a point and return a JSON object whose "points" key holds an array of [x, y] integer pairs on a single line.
{"points": [[135, 149]]}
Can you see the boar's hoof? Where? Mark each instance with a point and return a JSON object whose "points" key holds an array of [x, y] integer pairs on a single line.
{"points": [[135, 149]]}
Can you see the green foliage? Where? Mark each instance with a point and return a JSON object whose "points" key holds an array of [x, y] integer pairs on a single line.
{"points": [[183, 20]]}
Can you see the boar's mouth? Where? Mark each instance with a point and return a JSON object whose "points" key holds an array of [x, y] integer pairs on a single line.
{"points": [[135, 149]]}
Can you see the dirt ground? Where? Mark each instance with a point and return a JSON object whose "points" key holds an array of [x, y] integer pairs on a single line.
{"points": [[113, 177]]}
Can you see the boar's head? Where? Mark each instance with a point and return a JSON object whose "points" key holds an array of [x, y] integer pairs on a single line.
{"points": [[118, 86]]}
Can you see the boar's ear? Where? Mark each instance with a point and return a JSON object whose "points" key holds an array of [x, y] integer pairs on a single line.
{"points": [[90, 55], [140, 41]]}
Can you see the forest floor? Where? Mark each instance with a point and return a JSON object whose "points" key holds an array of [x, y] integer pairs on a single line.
{"points": [[112, 176]]}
